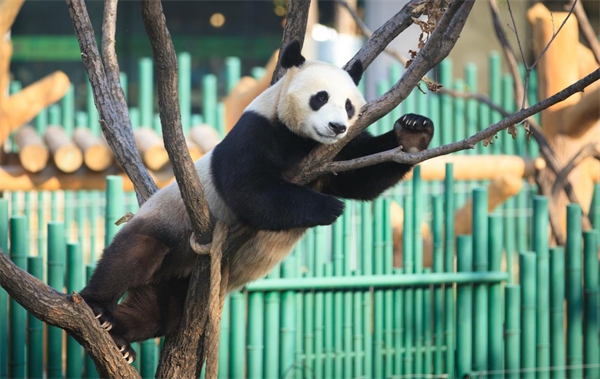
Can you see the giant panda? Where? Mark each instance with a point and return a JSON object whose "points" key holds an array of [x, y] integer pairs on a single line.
{"points": [[314, 103]]}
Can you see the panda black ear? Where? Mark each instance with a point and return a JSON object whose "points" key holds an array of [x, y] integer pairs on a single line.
{"points": [[355, 71], [292, 55]]}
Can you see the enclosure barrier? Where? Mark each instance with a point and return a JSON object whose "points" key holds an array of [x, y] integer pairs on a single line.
{"points": [[338, 308]]}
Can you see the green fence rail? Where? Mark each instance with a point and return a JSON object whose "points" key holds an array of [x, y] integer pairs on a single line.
{"points": [[347, 302]]}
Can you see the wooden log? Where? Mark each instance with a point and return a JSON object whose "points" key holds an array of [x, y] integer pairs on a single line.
{"points": [[245, 91], [205, 136], [21, 107], [479, 167], [16, 178], [499, 190], [33, 153], [151, 148], [66, 155], [96, 153]]}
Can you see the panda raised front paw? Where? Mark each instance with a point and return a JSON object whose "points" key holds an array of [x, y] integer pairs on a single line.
{"points": [[414, 132]]}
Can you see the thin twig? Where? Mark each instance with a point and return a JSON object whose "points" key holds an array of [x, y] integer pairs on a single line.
{"points": [[587, 151]]}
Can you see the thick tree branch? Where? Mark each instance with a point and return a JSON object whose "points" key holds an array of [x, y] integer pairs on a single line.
{"points": [[381, 38], [438, 46], [117, 129], [399, 156], [182, 354], [295, 28], [586, 28], [68, 312]]}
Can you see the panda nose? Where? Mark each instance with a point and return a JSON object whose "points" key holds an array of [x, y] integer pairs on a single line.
{"points": [[337, 128]]}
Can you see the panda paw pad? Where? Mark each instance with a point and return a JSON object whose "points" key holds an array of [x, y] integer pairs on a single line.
{"points": [[414, 132]]}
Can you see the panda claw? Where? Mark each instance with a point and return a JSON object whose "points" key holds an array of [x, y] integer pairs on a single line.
{"points": [[130, 360], [98, 315], [106, 325], [126, 355], [122, 349]]}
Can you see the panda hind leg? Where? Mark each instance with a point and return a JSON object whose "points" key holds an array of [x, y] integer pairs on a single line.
{"points": [[148, 312], [130, 261]]}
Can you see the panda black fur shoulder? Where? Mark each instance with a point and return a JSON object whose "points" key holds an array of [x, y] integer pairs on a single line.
{"points": [[313, 103]]}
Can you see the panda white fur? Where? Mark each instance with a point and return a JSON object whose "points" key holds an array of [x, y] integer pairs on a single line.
{"points": [[313, 103]]}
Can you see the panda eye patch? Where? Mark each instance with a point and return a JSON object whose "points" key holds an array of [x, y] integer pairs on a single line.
{"points": [[349, 108], [318, 100]]}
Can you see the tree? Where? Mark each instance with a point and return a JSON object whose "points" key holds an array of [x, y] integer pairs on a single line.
{"points": [[197, 338]]}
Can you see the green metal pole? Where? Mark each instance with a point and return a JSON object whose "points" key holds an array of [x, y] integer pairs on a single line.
{"points": [[495, 297], [272, 330], [35, 327], [319, 302], [592, 349], [595, 207], [209, 99], [540, 238], [68, 111], [398, 329], [534, 148], [80, 215], [3, 294], [92, 111], [197, 120], [221, 119], [513, 331], [495, 67], [233, 68], [41, 204], [74, 283], [428, 361], [146, 92], [527, 271], [338, 270], [472, 105], [347, 222], [54, 114], [94, 212], [447, 126], [464, 309], [417, 215], [90, 368], [17, 316], [114, 207], [257, 72], [484, 122], [238, 335], [435, 115], [69, 200], [56, 279], [41, 121], [409, 298], [574, 295], [135, 117], [480, 291], [438, 299], [557, 333], [367, 269], [224, 340], [378, 359], [449, 267], [459, 113], [256, 319], [185, 91], [148, 359]]}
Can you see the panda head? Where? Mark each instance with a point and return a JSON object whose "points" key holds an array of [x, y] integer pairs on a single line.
{"points": [[318, 100]]}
